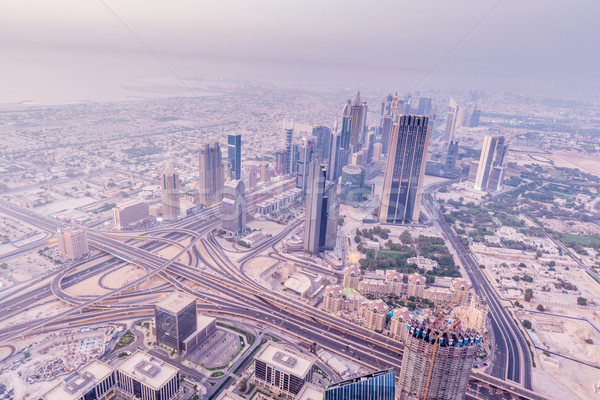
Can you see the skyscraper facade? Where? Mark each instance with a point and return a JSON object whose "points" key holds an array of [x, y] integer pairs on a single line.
{"points": [[211, 174], [403, 182], [169, 186], [346, 124], [424, 106], [306, 152], [234, 156], [233, 207], [451, 157], [357, 126], [289, 140], [281, 162], [490, 163], [451, 124], [323, 138], [386, 133], [380, 385], [175, 319], [440, 374], [322, 210], [72, 242]]}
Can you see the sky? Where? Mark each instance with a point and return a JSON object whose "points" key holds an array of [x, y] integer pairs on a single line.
{"points": [[73, 50]]}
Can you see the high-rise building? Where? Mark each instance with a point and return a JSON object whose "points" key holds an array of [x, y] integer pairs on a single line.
{"points": [[451, 157], [265, 172], [424, 106], [233, 207], [403, 182], [129, 212], [333, 298], [281, 162], [72, 242], [474, 119], [234, 156], [490, 163], [252, 176], [386, 104], [451, 124], [323, 137], [437, 370], [386, 133], [333, 169], [357, 126], [289, 141], [380, 385], [352, 187], [369, 146], [374, 313], [346, 124], [169, 186], [282, 371], [377, 151], [306, 153], [351, 277], [322, 210], [211, 174], [175, 320]]}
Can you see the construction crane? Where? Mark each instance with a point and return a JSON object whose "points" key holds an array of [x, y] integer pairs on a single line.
{"points": [[438, 317]]}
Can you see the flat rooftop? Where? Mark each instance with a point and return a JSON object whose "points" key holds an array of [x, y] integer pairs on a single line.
{"points": [[310, 392], [149, 370], [229, 396], [175, 302], [78, 383], [204, 321], [286, 360]]}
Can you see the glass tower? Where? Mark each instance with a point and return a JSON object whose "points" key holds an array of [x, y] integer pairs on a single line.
{"points": [[379, 385], [234, 156]]}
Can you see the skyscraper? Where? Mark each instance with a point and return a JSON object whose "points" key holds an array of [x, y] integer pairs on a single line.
{"points": [[211, 174], [169, 186], [323, 136], [306, 153], [289, 139], [424, 106], [370, 141], [451, 124], [490, 171], [357, 126], [380, 385], [346, 124], [265, 172], [451, 157], [233, 207], [403, 182], [72, 242], [386, 104], [386, 133], [281, 162], [322, 210], [175, 319], [442, 373], [234, 156], [333, 169]]}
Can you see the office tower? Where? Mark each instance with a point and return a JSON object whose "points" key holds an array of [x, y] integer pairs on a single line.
{"points": [[211, 174], [305, 154], [424, 106], [289, 148], [281, 162], [322, 210], [234, 156], [451, 124], [353, 184], [129, 212], [323, 135], [142, 376], [386, 133], [474, 120], [386, 105], [233, 207], [175, 320], [451, 157], [357, 126], [169, 186], [380, 385], [437, 371], [403, 182], [72, 242], [334, 157], [282, 371], [490, 163], [265, 172], [369, 146], [461, 116], [407, 102], [346, 124], [252, 176], [377, 151], [395, 107]]}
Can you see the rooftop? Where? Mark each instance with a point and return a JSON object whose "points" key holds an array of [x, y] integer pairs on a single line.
{"points": [[175, 302], [78, 383], [310, 392], [286, 360], [151, 371]]}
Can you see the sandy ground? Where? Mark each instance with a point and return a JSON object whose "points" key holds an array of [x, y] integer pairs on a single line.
{"points": [[37, 312], [589, 163], [266, 227], [255, 267]]}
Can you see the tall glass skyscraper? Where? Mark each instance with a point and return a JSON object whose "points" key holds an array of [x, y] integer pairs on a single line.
{"points": [[380, 385], [403, 182], [234, 156], [175, 319]]}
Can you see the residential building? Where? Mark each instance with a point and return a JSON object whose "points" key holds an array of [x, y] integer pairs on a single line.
{"points": [[351, 277], [394, 282], [416, 285], [374, 313], [333, 299], [400, 318]]}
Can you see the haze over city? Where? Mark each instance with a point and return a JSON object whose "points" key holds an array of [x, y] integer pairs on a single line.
{"points": [[253, 200]]}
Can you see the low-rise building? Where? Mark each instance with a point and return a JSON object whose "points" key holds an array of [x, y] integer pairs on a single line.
{"points": [[129, 212], [416, 285], [72, 242], [394, 283], [145, 377], [372, 287], [333, 299], [351, 277], [374, 313], [400, 318], [93, 381], [423, 263]]}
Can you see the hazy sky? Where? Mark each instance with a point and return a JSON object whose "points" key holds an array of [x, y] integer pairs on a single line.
{"points": [[77, 49]]}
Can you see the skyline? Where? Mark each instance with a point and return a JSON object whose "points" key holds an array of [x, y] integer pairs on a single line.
{"points": [[86, 51]]}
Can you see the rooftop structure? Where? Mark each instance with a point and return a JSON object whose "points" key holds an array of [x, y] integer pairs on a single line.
{"points": [[147, 377], [96, 378]]}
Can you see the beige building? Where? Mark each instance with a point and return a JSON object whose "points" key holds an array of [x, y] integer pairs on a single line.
{"points": [[400, 318], [212, 174], [129, 212], [72, 242], [374, 313], [423, 263], [351, 277], [394, 283], [333, 299], [458, 285], [169, 186], [373, 287], [287, 270], [441, 297], [416, 285]]}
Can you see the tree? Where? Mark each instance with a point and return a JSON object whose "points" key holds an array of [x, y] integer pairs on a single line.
{"points": [[356, 239], [527, 278], [405, 237], [581, 301], [340, 221], [528, 294], [540, 307], [527, 324]]}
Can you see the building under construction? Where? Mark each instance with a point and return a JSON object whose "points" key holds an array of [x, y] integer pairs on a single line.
{"points": [[437, 360]]}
